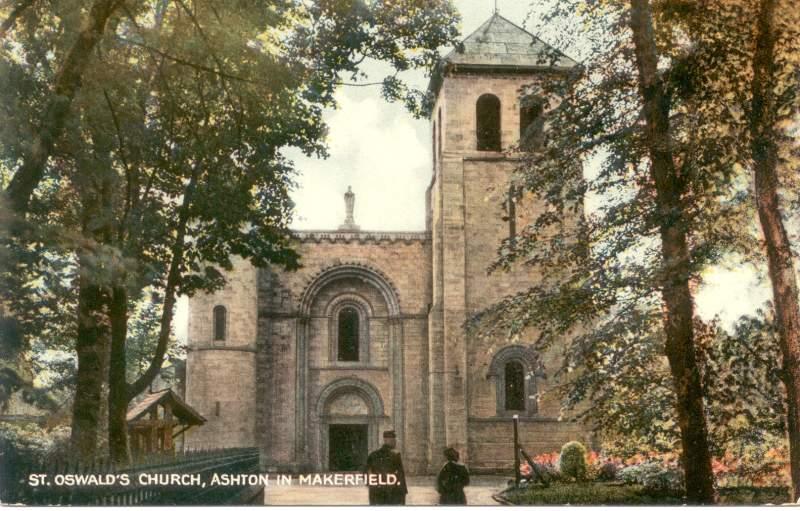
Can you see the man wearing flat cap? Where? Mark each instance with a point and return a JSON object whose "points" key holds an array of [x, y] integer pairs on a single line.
{"points": [[386, 461]]}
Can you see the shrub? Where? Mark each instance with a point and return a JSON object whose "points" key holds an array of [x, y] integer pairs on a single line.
{"points": [[653, 476], [607, 471], [572, 461], [548, 472], [22, 447]]}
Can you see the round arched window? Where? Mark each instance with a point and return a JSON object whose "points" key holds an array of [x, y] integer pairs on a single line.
{"points": [[515, 385], [487, 113], [348, 338], [531, 125], [515, 369]]}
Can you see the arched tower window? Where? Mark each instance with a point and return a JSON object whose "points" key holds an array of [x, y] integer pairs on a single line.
{"points": [[220, 323], [348, 338], [487, 114], [531, 125], [515, 386]]}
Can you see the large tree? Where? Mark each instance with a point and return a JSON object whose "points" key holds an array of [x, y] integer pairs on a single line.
{"points": [[56, 105], [774, 100], [170, 163], [663, 202], [751, 70]]}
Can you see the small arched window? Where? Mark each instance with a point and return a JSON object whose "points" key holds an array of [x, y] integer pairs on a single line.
{"points": [[220, 323], [487, 113], [348, 335], [515, 369], [531, 125], [515, 386]]}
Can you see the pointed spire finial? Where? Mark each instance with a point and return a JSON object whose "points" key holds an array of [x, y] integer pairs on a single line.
{"points": [[349, 204]]}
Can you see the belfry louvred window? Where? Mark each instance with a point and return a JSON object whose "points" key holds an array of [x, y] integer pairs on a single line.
{"points": [[487, 116], [531, 125]]}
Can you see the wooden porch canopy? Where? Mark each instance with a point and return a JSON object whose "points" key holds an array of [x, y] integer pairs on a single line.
{"points": [[152, 420]]}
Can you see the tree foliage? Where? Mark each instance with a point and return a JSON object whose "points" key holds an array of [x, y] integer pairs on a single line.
{"points": [[146, 153], [668, 155], [627, 380]]}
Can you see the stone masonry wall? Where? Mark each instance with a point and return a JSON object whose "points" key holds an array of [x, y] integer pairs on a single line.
{"points": [[220, 375], [468, 192], [294, 350]]}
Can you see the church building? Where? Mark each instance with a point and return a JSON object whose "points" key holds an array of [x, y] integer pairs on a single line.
{"points": [[311, 366]]}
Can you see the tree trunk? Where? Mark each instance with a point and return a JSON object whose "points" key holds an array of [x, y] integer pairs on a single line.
{"points": [[118, 446], [91, 348], [67, 83], [764, 149], [120, 392], [170, 290], [678, 304], [89, 424]]}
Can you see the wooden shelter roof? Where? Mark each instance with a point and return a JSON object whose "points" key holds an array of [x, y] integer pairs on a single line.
{"points": [[182, 411]]}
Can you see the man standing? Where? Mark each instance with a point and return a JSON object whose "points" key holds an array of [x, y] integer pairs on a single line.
{"points": [[384, 462]]}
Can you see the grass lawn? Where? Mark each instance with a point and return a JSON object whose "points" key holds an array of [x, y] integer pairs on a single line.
{"points": [[631, 494], [754, 495], [587, 493]]}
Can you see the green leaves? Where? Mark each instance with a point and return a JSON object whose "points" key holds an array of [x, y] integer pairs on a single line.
{"points": [[178, 122], [594, 235]]}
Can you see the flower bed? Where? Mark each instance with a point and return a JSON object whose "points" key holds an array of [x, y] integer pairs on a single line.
{"points": [[652, 478]]}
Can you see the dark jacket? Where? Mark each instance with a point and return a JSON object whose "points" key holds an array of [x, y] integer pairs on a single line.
{"points": [[451, 482], [387, 461]]}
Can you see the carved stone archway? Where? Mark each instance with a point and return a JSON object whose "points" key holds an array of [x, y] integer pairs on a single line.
{"points": [[372, 418], [362, 272], [305, 419]]}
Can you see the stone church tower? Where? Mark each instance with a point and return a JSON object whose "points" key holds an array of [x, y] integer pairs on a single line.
{"points": [[311, 365]]}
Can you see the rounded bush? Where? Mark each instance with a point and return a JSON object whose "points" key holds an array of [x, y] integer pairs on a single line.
{"points": [[572, 461]]}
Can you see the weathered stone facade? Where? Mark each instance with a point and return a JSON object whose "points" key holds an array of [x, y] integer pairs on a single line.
{"points": [[279, 378]]}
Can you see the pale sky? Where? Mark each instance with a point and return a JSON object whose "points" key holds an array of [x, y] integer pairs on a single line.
{"points": [[380, 150], [384, 154]]}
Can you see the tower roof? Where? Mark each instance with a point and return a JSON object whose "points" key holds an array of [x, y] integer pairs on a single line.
{"points": [[498, 44]]}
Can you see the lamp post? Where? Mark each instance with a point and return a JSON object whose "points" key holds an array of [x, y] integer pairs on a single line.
{"points": [[516, 451]]}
